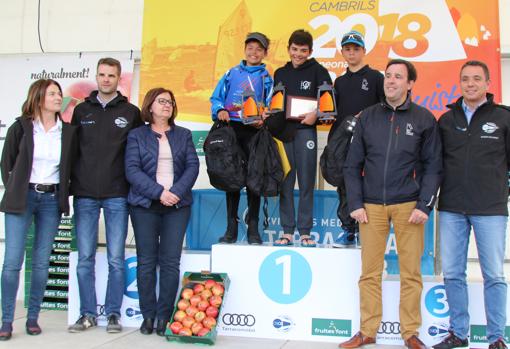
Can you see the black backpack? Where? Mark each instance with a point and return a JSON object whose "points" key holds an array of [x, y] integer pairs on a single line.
{"points": [[333, 157], [226, 163], [265, 173]]}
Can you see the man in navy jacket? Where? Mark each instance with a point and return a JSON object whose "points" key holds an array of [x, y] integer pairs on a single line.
{"points": [[392, 174]]}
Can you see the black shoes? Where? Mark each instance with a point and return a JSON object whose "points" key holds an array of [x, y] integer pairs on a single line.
{"points": [[499, 344], [161, 327], [6, 331], [452, 341], [113, 325], [32, 328], [147, 326]]}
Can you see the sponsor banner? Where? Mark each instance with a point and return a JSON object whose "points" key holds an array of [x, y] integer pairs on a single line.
{"points": [[331, 327], [131, 316], [478, 334], [437, 36], [75, 74], [289, 293], [208, 224]]}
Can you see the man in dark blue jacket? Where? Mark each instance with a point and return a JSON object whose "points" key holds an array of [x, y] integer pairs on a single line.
{"points": [[392, 175], [474, 194]]}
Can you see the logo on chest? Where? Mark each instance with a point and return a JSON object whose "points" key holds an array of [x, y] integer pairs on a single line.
{"points": [[489, 127], [409, 130], [121, 122], [364, 84], [305, 85]]}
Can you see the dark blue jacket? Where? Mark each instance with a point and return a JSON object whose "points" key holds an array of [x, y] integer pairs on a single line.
{"points": [[395, 157], [142, 161]]}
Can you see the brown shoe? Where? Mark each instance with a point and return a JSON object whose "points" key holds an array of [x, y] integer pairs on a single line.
{"points": [[414, 342], [357, 341]]}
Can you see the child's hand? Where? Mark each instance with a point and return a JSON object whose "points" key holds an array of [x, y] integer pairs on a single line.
{"points": [[309, 118], [257, 124], [265, 114], [223, 116]]}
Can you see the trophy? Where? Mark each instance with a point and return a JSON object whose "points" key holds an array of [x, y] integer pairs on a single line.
{"points": [[326, 102], [250, 111], [277, 99]]}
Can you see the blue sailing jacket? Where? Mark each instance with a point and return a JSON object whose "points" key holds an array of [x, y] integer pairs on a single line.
{"points": [[228, 93]]}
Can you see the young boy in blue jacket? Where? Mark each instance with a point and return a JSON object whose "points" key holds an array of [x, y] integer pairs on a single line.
{"points": [[226, 105]]}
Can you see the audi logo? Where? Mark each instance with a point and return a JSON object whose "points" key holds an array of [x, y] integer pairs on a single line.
{"points": [[247, 320], [389, 328]]}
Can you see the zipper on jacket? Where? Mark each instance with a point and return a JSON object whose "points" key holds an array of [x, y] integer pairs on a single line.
{"points": [[386, 160], [397, 131]]}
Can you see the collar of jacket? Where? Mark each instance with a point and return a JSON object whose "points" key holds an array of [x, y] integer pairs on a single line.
{"points": [[92, 99], [404, 106], [458, 102]]}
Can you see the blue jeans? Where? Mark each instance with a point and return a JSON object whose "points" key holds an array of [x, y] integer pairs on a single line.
{"points": [[159, 234], [490, 234], [86, 213], [43, 209]]}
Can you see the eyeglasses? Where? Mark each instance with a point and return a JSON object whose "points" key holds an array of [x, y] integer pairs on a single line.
{"points": [[163, 101], [356, 37]]}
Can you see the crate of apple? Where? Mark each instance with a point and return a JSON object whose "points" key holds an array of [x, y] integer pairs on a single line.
{"points": [[196, 311]]}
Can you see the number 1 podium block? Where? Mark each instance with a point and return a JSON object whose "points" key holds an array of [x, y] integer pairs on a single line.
{"points": [[289, 292]]}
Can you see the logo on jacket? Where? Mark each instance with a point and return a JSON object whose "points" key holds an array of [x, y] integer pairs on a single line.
{"points": [[364, 84], [409, 130], [121, 122], [489, 127], [310, 145], [305, 85]]}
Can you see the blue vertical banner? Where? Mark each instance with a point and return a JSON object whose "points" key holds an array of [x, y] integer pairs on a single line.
{"points": [[208, 223]]}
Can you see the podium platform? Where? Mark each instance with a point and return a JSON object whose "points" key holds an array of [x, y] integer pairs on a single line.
{"points": [[312, 294], [294, 293]]}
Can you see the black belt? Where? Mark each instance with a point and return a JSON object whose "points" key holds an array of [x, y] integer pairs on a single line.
{"points": [[43, 188]]}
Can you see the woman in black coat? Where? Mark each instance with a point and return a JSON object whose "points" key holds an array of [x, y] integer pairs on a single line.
{"points": [[35, 166]]}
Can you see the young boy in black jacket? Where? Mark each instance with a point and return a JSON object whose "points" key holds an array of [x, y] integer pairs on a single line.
{"points": [[359, 88], [301, 78]]}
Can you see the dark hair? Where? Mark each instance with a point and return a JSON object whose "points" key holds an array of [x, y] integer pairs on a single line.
{"points": [[33, 105], [301, 37], [412, 75], [477, 64], [112, 62], [150, 97]]}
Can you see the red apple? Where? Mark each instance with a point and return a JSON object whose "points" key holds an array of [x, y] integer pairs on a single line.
{"points": [[198, 288], [209, 284], [185, 332], [188, 321], [175, 327], [203, 332], [209, 322], [191, 311], [215, 301], [203, 305], [179, 315], [199, 316], [183, 304], [212, 312], [195, 299], [196, 327], [206, 294], [217, 290], [187, 293]]}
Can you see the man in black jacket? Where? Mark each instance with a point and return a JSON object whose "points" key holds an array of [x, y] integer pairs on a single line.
{"points": [[392, 174], [474, 194], [104, 120]]}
